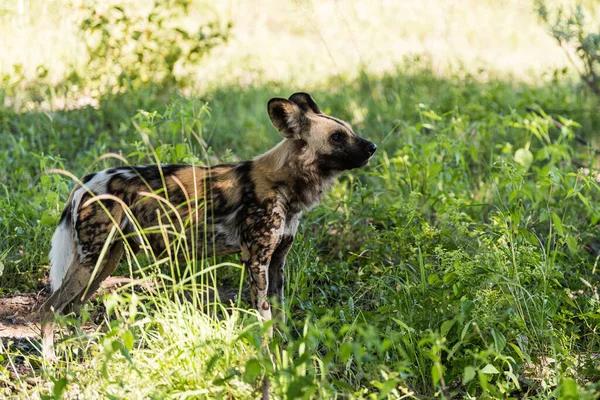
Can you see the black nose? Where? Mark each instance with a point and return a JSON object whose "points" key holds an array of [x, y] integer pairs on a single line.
{"points": [[371, 147]]}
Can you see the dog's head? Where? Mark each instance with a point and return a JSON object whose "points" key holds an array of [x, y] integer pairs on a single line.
{"points": [[331, 142]]}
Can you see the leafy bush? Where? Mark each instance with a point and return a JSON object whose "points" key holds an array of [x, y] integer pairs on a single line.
{"points": [[572, 31], [147, 49], [129, 45]]}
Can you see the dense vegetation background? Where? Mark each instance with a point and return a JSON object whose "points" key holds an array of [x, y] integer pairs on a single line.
{"points": [[462, 263]]}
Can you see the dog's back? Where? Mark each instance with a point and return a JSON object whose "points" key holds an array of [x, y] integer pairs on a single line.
{"points": [[144, 203]]}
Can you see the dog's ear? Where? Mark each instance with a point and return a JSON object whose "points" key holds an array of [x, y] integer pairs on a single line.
{"points": [[305, 102], [289, 119]]}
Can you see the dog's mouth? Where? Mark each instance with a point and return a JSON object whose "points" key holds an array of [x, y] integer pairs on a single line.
{"points": [[365, 162]]}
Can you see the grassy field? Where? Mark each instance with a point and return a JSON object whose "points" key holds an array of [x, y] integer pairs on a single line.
{"points": [[461, 263]]}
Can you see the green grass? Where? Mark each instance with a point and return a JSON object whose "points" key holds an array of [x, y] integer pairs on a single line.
{"points": [[462, 263]]}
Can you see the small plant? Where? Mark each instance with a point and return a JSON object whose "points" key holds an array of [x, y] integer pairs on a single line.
{"points": [[571, 31]]}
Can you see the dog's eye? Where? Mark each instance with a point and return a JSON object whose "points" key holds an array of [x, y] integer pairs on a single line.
{"points": [[337, 136]]}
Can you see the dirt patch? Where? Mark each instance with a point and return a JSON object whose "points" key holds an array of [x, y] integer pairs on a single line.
{"points": [[18, 313]]}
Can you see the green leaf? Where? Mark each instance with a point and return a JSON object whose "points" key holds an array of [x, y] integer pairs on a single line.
{"points": [[513, 378], [432, 115], [489, 369], [59, 387], [403, 325], [210, 365], [465, 306], [518, 351], [558, 224], [128, 340], [386, 388], [446, 326], [483, 381], [499, 340], [47, 219], [253, 370], [468, 374], [524, 157], [568, 389], [465, 329], [572, 244], [584, 200], [346, 351], [433, 279], [437, 371]]}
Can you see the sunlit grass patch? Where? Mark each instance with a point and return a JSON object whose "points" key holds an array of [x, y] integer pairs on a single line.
{"points": [[179, 320], [178, 352], [170, 350]]}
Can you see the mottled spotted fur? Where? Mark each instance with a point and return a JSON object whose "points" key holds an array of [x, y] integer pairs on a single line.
{"points": [[252, 207]]}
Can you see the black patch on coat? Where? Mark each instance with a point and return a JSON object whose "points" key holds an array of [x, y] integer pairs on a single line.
{"points": [[88, 178], [218, 203], [153, 174], [338, 139], [67, 215], [117, 187], [243, 171], [149, 176]]}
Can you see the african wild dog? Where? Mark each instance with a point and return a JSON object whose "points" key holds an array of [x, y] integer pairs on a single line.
{"points": [[255, 208]]}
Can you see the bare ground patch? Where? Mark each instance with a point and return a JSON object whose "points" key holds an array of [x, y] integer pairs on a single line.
{"points": [[18, 313]]}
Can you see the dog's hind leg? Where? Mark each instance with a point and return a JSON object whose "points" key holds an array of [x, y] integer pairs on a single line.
{"points": [[86, 272], [74, 291], [107, 268], [78, 277]]}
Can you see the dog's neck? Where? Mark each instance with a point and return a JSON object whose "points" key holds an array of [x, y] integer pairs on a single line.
{"points": [[292, 168]]}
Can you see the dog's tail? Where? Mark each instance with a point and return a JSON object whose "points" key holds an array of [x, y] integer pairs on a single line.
{"points": [[65, 241], [63, 250]]}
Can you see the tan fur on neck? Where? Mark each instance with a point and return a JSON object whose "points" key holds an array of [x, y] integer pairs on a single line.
{"points": [[292, 162]]}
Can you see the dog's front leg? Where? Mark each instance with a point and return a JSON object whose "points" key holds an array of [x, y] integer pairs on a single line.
{"points": [[276, 276], [261, 232], [256, 259]]}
